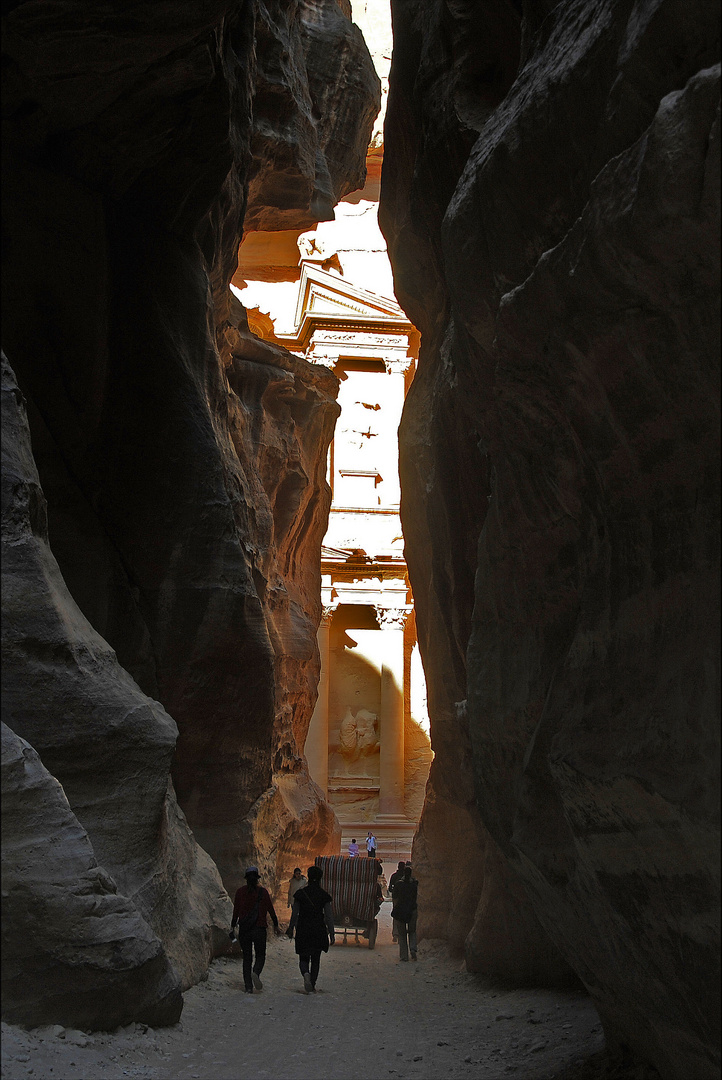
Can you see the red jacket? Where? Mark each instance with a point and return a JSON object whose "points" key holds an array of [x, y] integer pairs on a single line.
{"points": [[245, 902]]}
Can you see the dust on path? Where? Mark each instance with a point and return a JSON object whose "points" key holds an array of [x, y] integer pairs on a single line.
{"points": [[373, 1018]]}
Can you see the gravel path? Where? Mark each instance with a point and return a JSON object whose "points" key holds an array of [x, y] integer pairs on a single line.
{"points": [[373, 1017]]}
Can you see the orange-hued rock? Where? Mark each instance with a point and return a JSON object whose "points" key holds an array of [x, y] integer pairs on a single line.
{"points": [[550, 200], [183, 463]]}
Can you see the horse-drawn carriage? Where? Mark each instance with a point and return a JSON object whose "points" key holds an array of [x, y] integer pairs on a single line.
{"points": [[354, 886]]}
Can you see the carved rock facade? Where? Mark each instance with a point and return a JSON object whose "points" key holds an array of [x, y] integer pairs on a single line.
{"points": [[182, 462], [550, 199]]}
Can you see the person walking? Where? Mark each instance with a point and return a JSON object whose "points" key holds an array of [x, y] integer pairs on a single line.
{"points": [[396, 876], [371, 845], [296, 882], [353, 849], [312, 920], [251, 906], [404, 913]]}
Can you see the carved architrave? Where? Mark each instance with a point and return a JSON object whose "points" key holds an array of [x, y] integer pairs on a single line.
{"points": [[325, 358]]}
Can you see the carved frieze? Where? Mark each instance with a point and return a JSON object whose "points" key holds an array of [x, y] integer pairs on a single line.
{"points": [[360, 338]]}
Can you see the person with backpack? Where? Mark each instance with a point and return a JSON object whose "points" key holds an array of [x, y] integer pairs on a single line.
{"points": [[251, 907], [404, 913], [312, 920]]}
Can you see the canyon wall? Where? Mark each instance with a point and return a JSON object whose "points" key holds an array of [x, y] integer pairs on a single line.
{"points": [[550, 200], [164, 621]]}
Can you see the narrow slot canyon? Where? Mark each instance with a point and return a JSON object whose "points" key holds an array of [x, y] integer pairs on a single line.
{"points": [[360, 477]]}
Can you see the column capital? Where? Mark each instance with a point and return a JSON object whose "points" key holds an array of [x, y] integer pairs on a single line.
{"points": [[397, 365], [327, 611], [392, 618]]}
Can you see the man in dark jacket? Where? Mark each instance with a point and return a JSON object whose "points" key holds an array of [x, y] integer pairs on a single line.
{"points": [[404, 913], [251, 907], [312, 919]]}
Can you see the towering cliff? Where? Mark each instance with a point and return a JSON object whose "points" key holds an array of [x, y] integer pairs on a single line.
{"points": [[182, 462], [550, 198]]}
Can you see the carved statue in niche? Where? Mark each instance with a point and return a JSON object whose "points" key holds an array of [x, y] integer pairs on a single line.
{"points": [[358, 735]]}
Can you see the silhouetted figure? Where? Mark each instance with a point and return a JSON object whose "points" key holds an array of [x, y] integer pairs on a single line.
{"points": [[404, 913], [251, 907], [312, 919], [396, 876]]}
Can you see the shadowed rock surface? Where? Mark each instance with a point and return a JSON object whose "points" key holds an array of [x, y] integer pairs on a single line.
{"points": [[74, 950], [554, 233], [183, 464], [111, 748]]}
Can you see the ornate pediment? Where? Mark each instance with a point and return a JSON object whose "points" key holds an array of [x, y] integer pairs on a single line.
{"points": [[322, 293]]}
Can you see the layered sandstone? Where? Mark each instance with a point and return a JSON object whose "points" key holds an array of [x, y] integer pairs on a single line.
{"points": [[75, 951], [183, 465], [551, 203], [110, 746]]}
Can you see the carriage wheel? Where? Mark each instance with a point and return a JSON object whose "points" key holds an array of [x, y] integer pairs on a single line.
{"points": [[373, 931]]}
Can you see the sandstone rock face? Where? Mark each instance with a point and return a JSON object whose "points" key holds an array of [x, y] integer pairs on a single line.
{"points": [[554, 232], [280, 421], [110, 746], [74, 949], [183, 467], [317, 96]]}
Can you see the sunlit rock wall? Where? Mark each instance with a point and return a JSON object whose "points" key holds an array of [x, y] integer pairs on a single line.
{"points": [[182, 465], [550, 199]]}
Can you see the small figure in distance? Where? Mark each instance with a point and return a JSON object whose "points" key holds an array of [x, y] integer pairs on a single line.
{"points": [[370, 845], [312, 919], [404, 913], [353, 849], [296, 882], [251, 907], [396, 876]]}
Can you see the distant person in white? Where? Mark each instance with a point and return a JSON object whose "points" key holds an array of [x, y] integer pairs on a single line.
{"points": [[371, 845], [295, 883]]}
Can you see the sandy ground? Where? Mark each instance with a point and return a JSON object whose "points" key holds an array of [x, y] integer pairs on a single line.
{"points": [[372, 1017]]}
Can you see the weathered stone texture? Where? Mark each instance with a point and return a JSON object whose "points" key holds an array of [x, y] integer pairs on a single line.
{"points": [[183, 469], [107, 743], [569, 283], [75, 951], [317, 96]]}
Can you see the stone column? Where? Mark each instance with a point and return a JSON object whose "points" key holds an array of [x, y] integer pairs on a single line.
{"points": [[391, 719], [316, 748]]}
